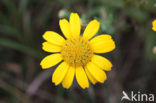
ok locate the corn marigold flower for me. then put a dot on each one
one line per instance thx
(154, 25)
(77, 54)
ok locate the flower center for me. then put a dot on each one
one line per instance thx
(77, 52)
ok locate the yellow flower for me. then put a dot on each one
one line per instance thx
(154, 25)
(77, 53)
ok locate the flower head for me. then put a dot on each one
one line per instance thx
(76, 53)
(154, 25)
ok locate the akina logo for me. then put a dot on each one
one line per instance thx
(137, 96)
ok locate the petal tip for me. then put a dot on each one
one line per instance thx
(96, 21)
(45, 33)
(61, 20)
(65, 87)
(53, 81)
(43, 67)
(85, 87)
(74, 13)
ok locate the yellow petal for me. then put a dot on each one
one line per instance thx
(59, 73)
(154, 28)
(91, 78)
(91, 29)
(154, 23)
(53, 38)
(102, 44)
(102, 62)
(96, 72)
(69, 77)
(49, 47)
(81, 78)
(51, 60)
(75, 24)
(65, 28)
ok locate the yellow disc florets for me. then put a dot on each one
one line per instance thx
(77, 52)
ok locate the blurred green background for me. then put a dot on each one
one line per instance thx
(23, 22)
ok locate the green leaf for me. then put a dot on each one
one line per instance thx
(19, 47)
(23, 5)
(10, 30)
(137, 14)
(10, 5)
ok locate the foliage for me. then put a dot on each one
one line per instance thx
(22, 23)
